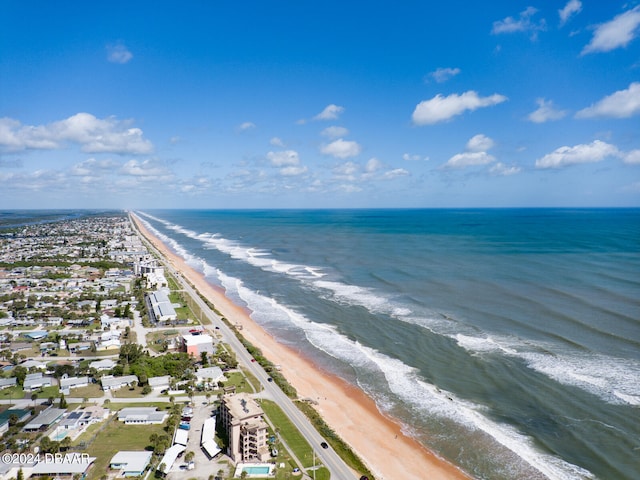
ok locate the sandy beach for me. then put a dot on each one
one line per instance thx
(377, 439)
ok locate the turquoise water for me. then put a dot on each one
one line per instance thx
(508, 341)
(257, 470)
(59, 436)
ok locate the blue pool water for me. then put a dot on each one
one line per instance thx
(257, 470)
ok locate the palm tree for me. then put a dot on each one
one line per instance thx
(189, 456)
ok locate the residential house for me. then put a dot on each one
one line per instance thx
(209, 376)
(45, 419)
(7, 382)
(103, 365)
(34, 381)
(130, 463)
(67, 383)
(160, 383)
(142, 415)
(109, 382)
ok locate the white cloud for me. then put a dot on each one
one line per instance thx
(346, 171)
(441, 75)
(479, 143)
(583, 153)
(545, 112)
(501, 169)
(341, 148)
(632, 157)
(276, 142)
(475, 155)
(440, 108)
(621, 104)
(522, 24)
(146, 168)
(395, 173)
(118, 53)
(373, 165)
(93, 134)
(615, 33)
(335, 132)
(469, 159)
(571, 8)
(413, 158)
(94, 167)
(284, 158)
(293, 171)
(246, 126)
(330, 112)
(14, 136)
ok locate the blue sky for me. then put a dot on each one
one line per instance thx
(246, 104)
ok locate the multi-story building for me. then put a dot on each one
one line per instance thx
(243, 421)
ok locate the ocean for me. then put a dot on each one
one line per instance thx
(505, 340)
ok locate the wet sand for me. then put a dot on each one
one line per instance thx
(377, 439)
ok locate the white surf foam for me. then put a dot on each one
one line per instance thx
(403, 381)
(612, 379)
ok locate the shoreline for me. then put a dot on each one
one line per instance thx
(347, 410)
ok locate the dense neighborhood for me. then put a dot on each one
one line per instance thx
(106, 373)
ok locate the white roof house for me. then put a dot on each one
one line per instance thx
(212, 374)
(131, 463)
(33, 381)
(73, 382)
(109, 382)
(70, 464)
(46, 418)
(7, 382)
(142, 415)
(160, 382)
(102, 365)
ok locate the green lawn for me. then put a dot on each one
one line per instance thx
(128, 392)
(117, 436)
(242, 383)
(92, 390)
(288, 432)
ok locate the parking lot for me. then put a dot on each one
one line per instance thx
(203, 466)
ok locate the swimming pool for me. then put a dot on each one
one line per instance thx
(255, 470)
(59, 435)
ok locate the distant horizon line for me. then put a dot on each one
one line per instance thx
(266, 209)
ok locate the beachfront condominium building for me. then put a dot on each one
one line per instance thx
(243, 421)
(160, 307)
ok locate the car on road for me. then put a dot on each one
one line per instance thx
(324, 445)
(269, 379)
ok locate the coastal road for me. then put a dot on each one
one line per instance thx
(338, 468)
